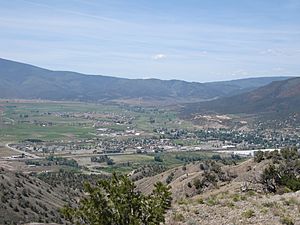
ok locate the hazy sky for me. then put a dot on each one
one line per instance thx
(195, 40)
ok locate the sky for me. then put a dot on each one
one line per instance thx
(193, 40)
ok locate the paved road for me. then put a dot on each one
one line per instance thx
(29, 155)
(33, 156)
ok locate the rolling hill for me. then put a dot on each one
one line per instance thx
(27, 199)
(19, 80)
(278, 96)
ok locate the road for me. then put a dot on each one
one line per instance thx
(33, 156)
(29, 155)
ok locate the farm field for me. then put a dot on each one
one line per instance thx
(107, 138)
(81, 129)
(69, 120)
(127, 163)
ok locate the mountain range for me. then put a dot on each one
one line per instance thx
(278, 96)
(19, 80)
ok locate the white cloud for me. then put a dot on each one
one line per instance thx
(159, 56)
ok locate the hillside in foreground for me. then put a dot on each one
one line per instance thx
(223, 190)
(214, 193)
(27, 199)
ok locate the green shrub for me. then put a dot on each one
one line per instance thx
(248, 213)
(287, 220)
(170, 178)
(200, 201)
(178, 217)
(212, 201)
(258, 156)
(115, 201)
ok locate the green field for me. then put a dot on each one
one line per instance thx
(127, 163)
(45, 120)
(73, 121)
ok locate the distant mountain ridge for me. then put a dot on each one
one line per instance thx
(19, 80)
(278, 96)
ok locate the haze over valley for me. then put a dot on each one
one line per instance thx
(149, 112)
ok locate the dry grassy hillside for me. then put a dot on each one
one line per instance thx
(27, 199)
(219, 191)
(182, 178)
(236, 207)
(234, 196)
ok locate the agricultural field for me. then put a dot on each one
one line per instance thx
(82, 129)
(106, 138)
(127, 163)
(70, 120)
